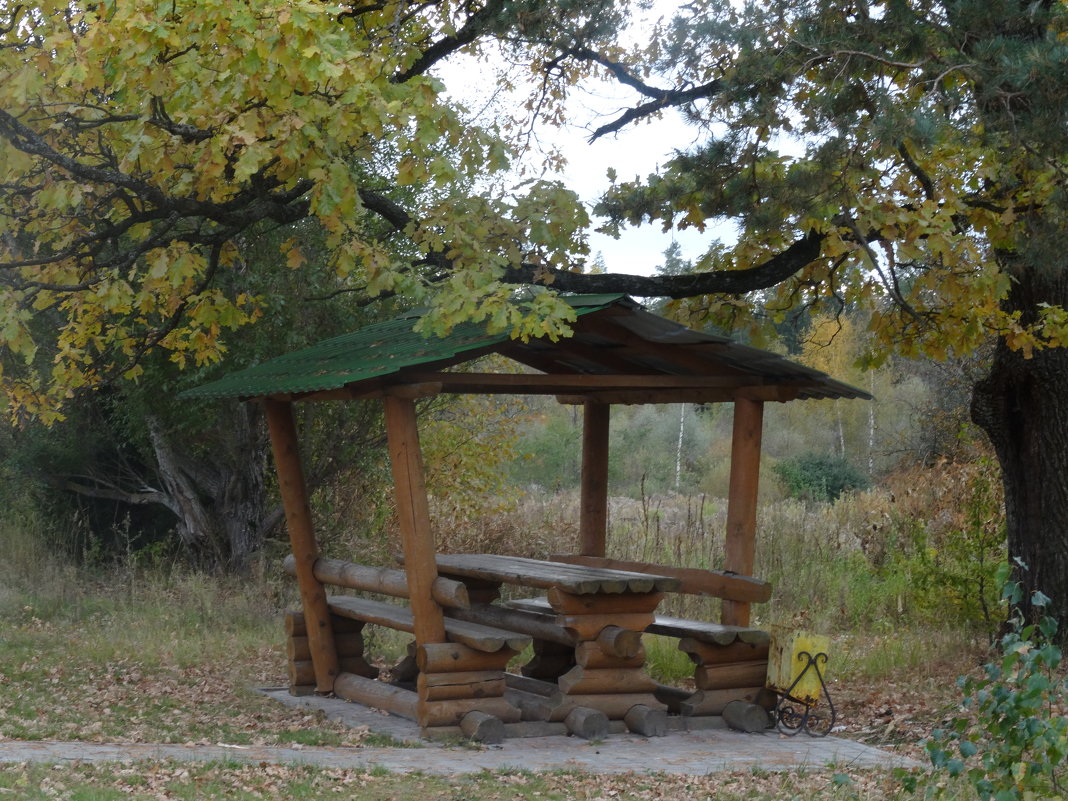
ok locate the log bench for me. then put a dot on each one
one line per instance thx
(486, 639)
(730, 662)
(457, 684)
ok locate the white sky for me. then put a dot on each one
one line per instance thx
(636, 151)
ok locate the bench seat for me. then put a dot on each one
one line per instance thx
(713, 633)
(474, 635)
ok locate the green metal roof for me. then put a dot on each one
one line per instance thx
(377, 350)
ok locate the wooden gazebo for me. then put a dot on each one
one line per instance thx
(618, 354)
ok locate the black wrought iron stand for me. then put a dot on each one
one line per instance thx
(793, 715)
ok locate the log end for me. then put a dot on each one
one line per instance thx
(589, 724)
(746, 717)
(482, 727)
(646, 721)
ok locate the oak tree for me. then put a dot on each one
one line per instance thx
(139, 139)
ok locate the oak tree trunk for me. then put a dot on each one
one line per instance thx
(1023, 406)
(220, 502)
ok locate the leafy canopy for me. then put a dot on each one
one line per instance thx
(915, 150)
(141, 140)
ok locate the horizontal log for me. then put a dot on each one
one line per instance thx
(556, 383)
(347, 644)
(450, 713)
(302, 672)
(703, 653)
(694, 581)
(587, 723)
(571, 604)
(377, 695)
(449, 657)
(609, 680)
(614, 706)
(715, 633)
(543, 575)
(467, 684)
(646, 721)
(446, 592)
(747, 717)
(481, 638)
(483, 728)
(524, 728)
(644, 397)
(541, 627)
(726, 677)
(713, 702)
(589, 627)
(592, 655)
(621, 642)
(295, 626)
(532, 707)
(544, 689)
(700, 723)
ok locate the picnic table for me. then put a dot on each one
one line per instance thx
(587, 643)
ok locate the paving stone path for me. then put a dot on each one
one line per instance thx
(691, 753)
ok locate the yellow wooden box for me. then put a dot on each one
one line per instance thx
(787, 661)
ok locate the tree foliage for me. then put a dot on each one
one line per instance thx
(819, 476)
(917, 145)
(140, 139)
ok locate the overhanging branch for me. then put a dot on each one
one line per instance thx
(728, 282)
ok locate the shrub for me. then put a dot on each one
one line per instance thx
(819, 477)
(1017, 746)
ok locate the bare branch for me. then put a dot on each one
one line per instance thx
(672, 98)
(917, 171)
(619, 71)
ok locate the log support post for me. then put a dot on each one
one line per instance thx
(417, 539)
(742, 500)
(302, 540)
(593, 523)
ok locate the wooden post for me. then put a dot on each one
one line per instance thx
(417, 539)
(593, 521)
(302, 540)
(742, 500)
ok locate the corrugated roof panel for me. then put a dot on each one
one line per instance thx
(625, 340)
(372, 352)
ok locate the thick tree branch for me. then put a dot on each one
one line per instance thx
(245, 208)
(730, 282)
(95, 487)
(673, 98)
(474, 27)
(619, 71)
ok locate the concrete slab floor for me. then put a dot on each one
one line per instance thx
(690, 753)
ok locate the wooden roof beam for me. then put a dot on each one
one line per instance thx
(610, 357)
(680, 355)
(774, 394)
(556, 384)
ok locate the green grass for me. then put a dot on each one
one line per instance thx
(193, 782)
(664, 661)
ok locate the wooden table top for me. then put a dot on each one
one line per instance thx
(577, 579)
